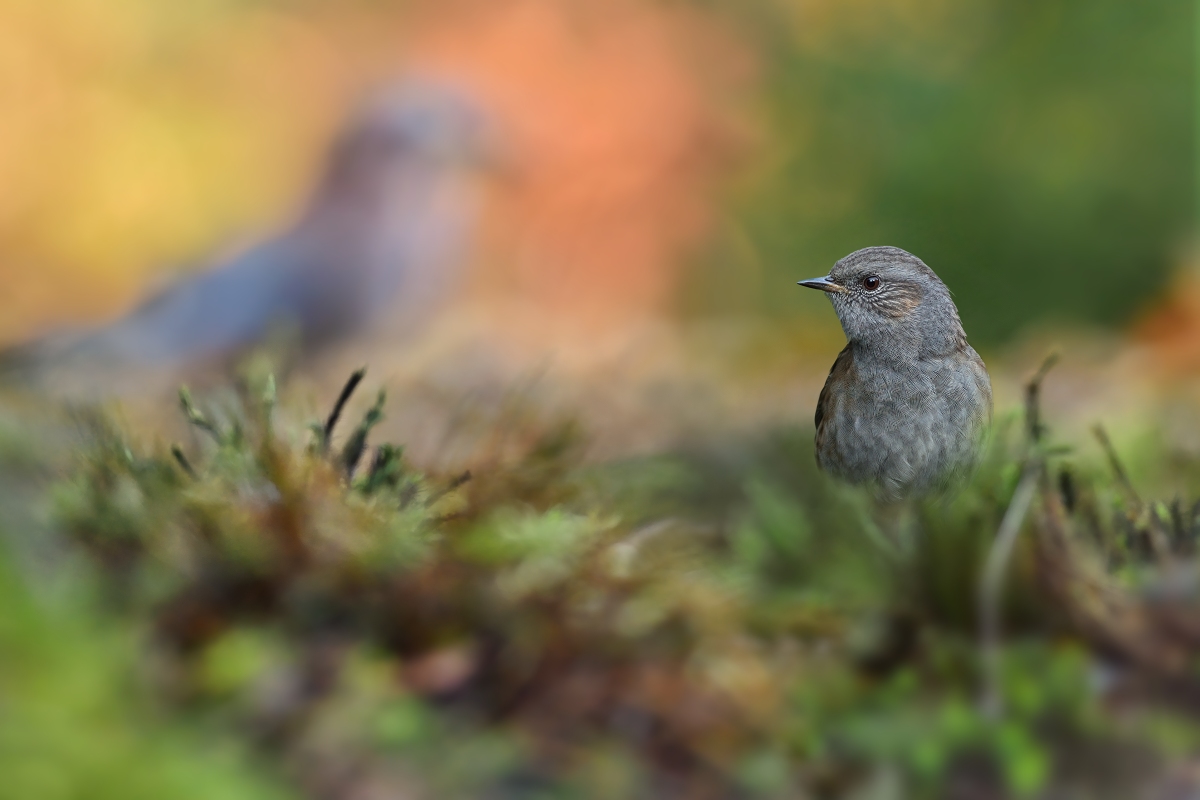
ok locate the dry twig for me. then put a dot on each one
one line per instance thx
(991, 583)
(339, 406)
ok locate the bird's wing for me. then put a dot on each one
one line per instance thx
(841, 365)
(982, 381)
(205, 315)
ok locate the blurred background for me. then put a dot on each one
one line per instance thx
(517, 212)
(680, 159)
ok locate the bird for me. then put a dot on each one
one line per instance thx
(383, 233)
(908, 401)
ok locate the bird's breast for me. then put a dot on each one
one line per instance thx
(902, 426)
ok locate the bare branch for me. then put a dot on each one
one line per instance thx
(991, 586)
(1114, 461)
(336, 414)
(991, 582)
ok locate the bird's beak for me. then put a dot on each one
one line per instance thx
(824, 284)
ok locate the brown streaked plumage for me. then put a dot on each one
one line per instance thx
(907, 401)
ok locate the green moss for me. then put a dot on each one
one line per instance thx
(76, 719)
(730, 619)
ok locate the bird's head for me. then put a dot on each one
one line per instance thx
(420, 125)
(887, 297)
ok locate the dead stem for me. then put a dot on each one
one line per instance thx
(182, 461)
(1114, 461)
(336, 414)
(991, 582)
(991, 587)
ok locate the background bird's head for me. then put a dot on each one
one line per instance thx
(421, 128)
(884, 295)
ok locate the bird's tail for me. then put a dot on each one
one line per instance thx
(26, 363)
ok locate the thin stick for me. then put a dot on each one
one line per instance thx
(357, 443)
(196, 418)
(1114, 461)
(183, 462)
(991, 582)
(1033, 392)
(991, 586)
(339, 406)
(455, 482)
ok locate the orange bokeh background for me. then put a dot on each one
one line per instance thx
(140, 141)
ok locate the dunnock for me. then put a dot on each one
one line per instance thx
(907, 402)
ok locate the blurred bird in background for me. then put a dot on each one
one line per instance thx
(381, 242)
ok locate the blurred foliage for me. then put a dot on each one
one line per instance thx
(74, 720)
(1036, 154)
(716, 622)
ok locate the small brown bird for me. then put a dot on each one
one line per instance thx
(905, 407)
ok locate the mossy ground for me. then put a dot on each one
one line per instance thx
(271, 608)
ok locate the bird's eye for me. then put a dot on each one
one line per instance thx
(871, 283)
